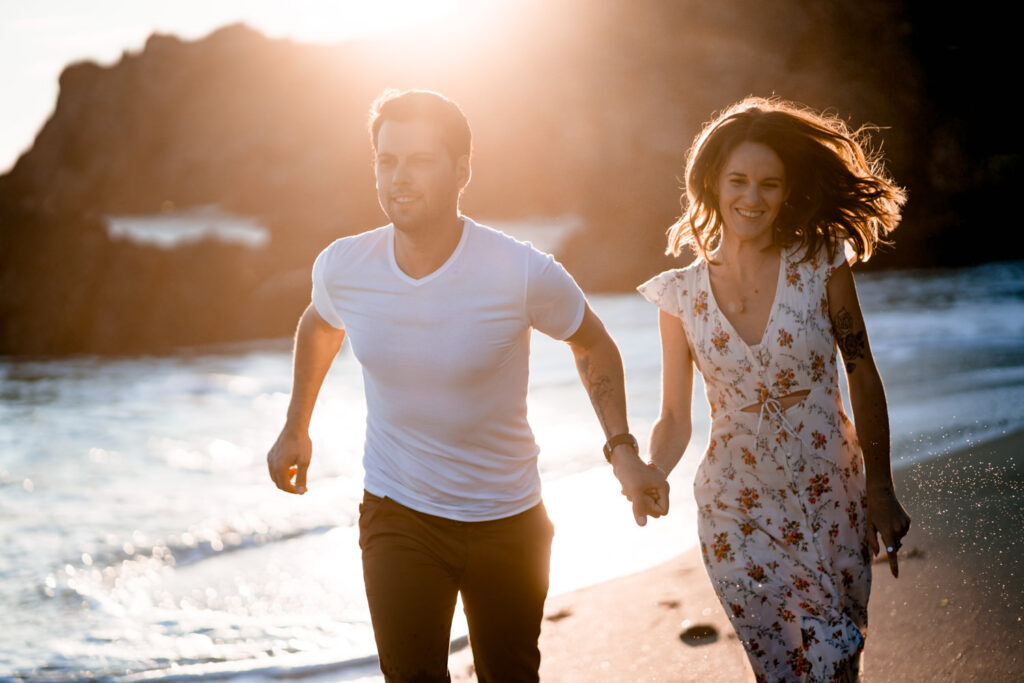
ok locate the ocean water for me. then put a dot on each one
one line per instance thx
(174, 228)
(143, 540)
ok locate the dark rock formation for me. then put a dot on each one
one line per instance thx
(577, 106)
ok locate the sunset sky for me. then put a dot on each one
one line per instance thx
(37, 39)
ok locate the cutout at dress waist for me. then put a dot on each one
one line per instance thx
(782, 402)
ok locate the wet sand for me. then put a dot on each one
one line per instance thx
(955, 614)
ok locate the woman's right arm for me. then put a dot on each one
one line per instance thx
(671, 433)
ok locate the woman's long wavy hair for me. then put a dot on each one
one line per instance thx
(838, 187)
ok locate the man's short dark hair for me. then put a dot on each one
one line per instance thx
(407, 105)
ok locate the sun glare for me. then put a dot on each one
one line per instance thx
(332, 21)
(37, 39)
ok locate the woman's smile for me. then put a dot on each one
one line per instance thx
(751, 191)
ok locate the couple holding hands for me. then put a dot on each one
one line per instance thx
(792, 495)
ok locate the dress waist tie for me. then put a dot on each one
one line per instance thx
(772, 408)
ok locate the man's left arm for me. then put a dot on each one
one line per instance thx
(600, 367)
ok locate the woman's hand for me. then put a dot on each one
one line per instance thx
(886, 519)
(645, 487)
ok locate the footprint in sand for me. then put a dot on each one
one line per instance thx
(699, 634)
(559, 615)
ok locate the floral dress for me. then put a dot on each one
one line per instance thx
(780, 492)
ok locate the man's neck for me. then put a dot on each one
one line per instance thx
(419, 253)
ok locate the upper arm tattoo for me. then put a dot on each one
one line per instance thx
(851, 340)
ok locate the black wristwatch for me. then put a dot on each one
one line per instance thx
(618, 440)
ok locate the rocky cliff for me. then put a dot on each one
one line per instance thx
(578, 106)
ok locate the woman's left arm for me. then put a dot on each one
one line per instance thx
(885, 516)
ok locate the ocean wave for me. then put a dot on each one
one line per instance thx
(196, 545)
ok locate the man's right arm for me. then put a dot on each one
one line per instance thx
(316, 344)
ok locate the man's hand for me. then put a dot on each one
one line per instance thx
(316, 344)
(289, 458)
(643, 486)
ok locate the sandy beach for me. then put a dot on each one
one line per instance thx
(955, 614)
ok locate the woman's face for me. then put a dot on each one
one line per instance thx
(751, 190)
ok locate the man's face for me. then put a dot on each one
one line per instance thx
(418, 183)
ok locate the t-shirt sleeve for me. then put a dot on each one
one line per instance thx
(554, 302)
(662, 290)
(321, 292)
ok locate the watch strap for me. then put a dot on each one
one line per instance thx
(618, 440)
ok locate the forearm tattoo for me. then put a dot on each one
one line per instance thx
(851, 341)
(600, 388)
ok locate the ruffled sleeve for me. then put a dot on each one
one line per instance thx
(666, 291)
(844, 254)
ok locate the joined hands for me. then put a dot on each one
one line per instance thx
(643, 485)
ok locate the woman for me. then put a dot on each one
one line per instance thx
(791, 496)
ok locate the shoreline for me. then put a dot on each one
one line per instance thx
(956, 613)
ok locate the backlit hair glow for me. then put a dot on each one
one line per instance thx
(838, 187)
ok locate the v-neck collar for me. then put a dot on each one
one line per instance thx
(771, 313)
(467, 226)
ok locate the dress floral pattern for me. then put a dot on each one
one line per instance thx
(780, 493)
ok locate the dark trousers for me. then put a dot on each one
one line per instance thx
(415, 565)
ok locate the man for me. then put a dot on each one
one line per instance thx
(439, 311)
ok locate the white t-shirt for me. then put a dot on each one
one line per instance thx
(445, 363)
